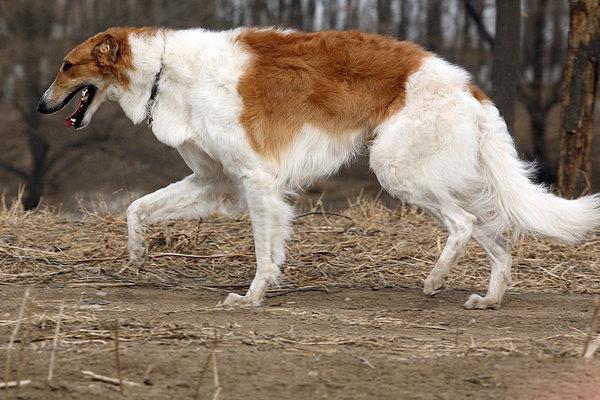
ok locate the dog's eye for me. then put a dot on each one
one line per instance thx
(66, 66)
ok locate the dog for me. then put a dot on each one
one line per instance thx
(258, 114)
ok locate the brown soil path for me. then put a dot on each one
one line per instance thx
(348, 344)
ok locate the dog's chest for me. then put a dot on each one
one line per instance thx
(199, 161)
(170, 121)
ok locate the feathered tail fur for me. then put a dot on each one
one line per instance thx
(513, 202)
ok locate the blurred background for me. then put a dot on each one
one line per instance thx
(116, 161)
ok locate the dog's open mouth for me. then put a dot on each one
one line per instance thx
(87, 96)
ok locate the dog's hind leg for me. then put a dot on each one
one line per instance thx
(459, 225)
(428, 157)
(498, 249)
(189, 198)
(428, 161)
(270, 217)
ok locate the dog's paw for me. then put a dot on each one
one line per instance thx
(236, 300)
(432, 286)
(138, 255)
(481, 303)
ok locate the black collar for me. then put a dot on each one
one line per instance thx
(155, 84)
(152, 100)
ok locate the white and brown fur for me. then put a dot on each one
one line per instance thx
(259, 113)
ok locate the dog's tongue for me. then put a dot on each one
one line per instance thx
(69, 121)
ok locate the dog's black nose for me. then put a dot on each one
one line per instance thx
(41, 106)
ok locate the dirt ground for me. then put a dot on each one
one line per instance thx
(345, 344)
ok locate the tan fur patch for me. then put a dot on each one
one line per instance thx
(87, 63)
(478, 93)
(338, 81)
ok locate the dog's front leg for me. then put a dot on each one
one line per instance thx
(138, 251)
(191, 197)
(270, 217)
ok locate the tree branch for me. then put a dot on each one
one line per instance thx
(13, 170)
(472, 12)
(525, 92)
(554, 97)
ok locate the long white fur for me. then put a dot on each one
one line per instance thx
(444, 151)
(518, 204)
(305, 161)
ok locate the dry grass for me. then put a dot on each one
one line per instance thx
(366, 245)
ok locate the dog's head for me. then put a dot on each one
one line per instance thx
(97, 68)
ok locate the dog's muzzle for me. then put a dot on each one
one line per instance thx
(42, 106)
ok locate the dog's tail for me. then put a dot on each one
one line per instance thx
(511, 201)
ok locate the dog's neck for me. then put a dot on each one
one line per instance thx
(196, 64)
(148, 55)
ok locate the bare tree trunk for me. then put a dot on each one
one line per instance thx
(404, 20)
(296, 14)
(368, 19)
(259, 12)
(505, 64)
(466, 38)
(308, 9)
(541, 93)
(578, 93)
(341, 14)
(385, 16)
(434, 25)
(352, 20)
(36, 179)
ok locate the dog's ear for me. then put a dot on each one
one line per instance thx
(107, 51)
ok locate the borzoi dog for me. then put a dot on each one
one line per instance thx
(259, 113)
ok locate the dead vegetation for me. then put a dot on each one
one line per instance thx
(366, 245)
